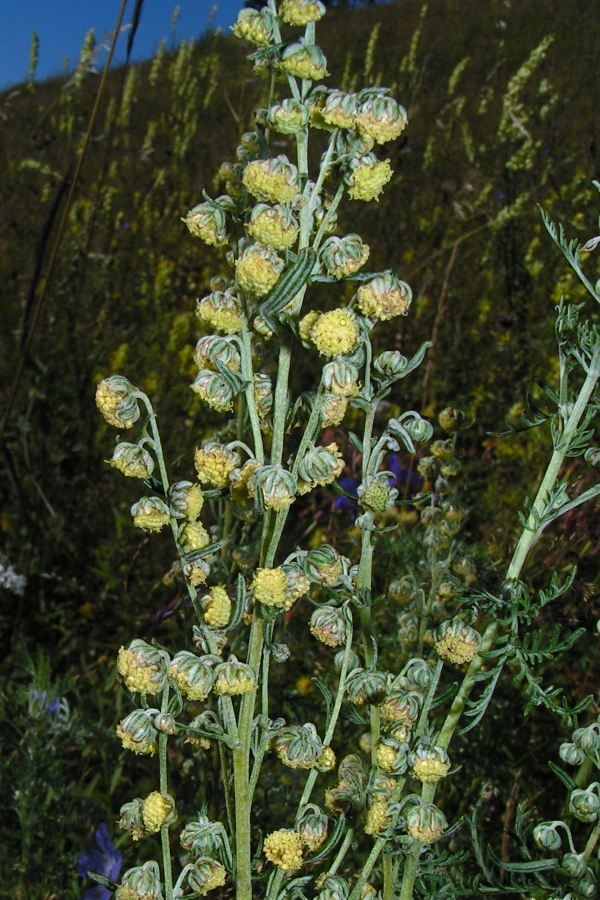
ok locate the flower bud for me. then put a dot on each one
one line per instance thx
(214, 390)
(408, 628)
(418, 429)
(403, 590)
(571, 754)
(284, 849)
(381, 787)
(206, 874)
(142, 668)
(273, 226)
(340, 377)
(584, 805)
(326, 761)
(334, 888)
(383, 298)
(233, 677)
(203, 837)
(465, 567)
(378, 817)
(273, 180)
(278, 486)
(137, 732)
(335, 332)
(587, 887)
(401, 706)
(329, 625)
(324, 565)
(428, 467)
(221, 310)
(380, 118)
(301, 12)
(325, 218)
(390, 364)
(376, 493)
(116, 401)
(132, 460)
(192, 674)
(196, 571)
(366, 178)
(392, 756)
(298, 746)
(336, 108)
(303, 60)
(214, 463)
(158, 810)
(258, 269)
(587, 739)
(255, 26)
(574, 864)
(217, 607)
(456, 642)
(269, 587)
(333, 408)
(193, 536)
(141, 883)
(547, 837)
(429, 763)
(450, 419)
(165, 723)
(425, 823)
(208, 221)
(288, 116)
(296, 582)
(319, 466)
(312, 828)
(212, 349)
(131, 818)
(366, 686)
(186, 500)
(343, 256)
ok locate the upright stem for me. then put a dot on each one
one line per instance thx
(164, 789)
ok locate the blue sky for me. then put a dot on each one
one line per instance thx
(61, 26)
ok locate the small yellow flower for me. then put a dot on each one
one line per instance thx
(386, 757)
(187, 499)
(150, 514)
(252, 26)
(306, 323)
(234, 678)
(269, 587)
(384, 297)
(430, 770)
(206, 875)
(333, 409)
(284, 849)
(217, 607)
(272, 180)
(301, 12)
(241, 483)
(141, 747)
(116, 402)
(304, 61)
(156, 810)
(367, 180)
(142, 668)
(258, 270)
(456, 642)
(377, 817)
(194, 536)
(214, 464)
(272, 227)
(335, 332)
(326, 761)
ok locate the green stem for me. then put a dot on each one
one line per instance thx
(164, 789)
(247, 375)
(410, 871)
(422, 723)
(388, 878)
(592, 841)
(341, 852)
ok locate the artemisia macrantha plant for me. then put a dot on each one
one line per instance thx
(371, 819)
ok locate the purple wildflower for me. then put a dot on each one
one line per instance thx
(106, 862)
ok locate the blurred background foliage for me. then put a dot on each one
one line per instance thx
(501, 103)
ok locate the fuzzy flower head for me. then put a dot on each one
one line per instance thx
(284, 849)
(269, 587)
(137, 732)
(324, 565)
(142, 668)
(214, 463)
(426, 823)
(132, 460)
(376, 493)
(116, 401)
(214, 390)
(378, 817)
(193, 675)
(329, 625)
(429, 763)
(273, 226)
(263, 394)
(158, 810)
(344, 256)
(258, 270)
(334, 409)
(312, 828)
(340, 377)
(367, 176)
(301, 12)
(233, 677)
(402, 706)
(299, 746)
(288, 116)
(217, 607)
(131, 820)
(335, 332)
(221, 310)
(456, 642)
(141, 883)
(242, 490)
(304, 60)
(391, 756)
(338, 109)
(150, 514)
(297, 584)
(380, 118)
(206, 875)
(384, 297)
(208, 221)
(193, 536)
(196, 571)
(277, 485)
(255, 26)
(186, 500)
(272, 180)
(213, 349)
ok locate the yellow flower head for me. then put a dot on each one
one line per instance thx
(273, 226)
(456, 642)
(194, 536)
(387, 756)
(284, 849)
(384, 297)
(116, 402)
(378, 817)
(252, 26)
(221, 310)
(206, 875)
(272, 180)
(367, 179)
(214, 463)
(304, 61)
(344, 256)
(381, 118)
(326, 761)
(233, 677)
(142, 668)
(335, 332)
(334, 409)
(214, 390)
(217, 607)
(186, 499)
(137, 732)
(242, 491)
(157, 810)
(258, 270)
(301, 12)
(429, 764)
(306, 323)
(339, 109)
(150, 514)
(269, 587)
